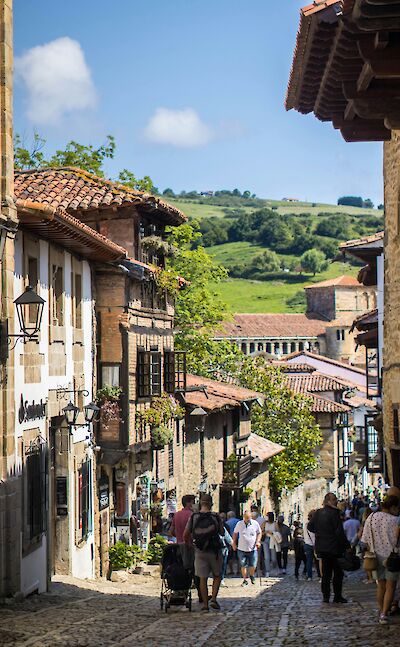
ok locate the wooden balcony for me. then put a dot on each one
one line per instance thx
(236, 472)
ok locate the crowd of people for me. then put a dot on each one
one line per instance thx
(338, 533)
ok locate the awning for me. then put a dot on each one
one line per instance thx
(262, 447)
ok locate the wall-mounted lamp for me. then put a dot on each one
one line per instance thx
(199, 415)
(29, 306)
(71, 413)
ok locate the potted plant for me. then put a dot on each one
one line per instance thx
(123, 557)
(161, 436)
(108, 398)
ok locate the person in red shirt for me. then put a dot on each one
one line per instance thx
(181, 518)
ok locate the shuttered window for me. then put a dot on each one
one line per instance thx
(149, 373)
(174, 371)
(35, 467)
(84, 500)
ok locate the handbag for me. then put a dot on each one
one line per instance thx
(349, 562)
(277, 537)
(370, 559)
(393, 562)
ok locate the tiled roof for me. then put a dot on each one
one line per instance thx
(366, 320)
(315, 383)
(262, 447)
(324, 405)
(344, 280)
(342, 321)
(272, 325)
(322, 358)
(61, 227)
(357, 401)
(76, 190)
(217, 395)
(360, 242)
(290, 367)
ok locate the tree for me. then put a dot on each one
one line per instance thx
(284, 418)
(88, 158)
(28, 159)
(381, 206)
(351, 201)
(169, 192)
(368, 204)
(127, 178)
(313, 261)
(268, 261)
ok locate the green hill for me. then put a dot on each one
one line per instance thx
(237, 236)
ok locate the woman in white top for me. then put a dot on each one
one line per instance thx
(270, 545)
(381, 535)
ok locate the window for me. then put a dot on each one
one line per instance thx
(260, 347)
(252, 347)
(293, 347)
(35, 492)
(171, 458)
(374, 456)
(110, 375)
(84, 500)
(149, 373)
(244, 348)
(301, 346)
(32, 281)
(77, 301)
(269, 348)
(174, 371)
(338, 335)
(285, 348)
(396, 429)
(178, 431)
(151, 298)
(225, 441)
(202, 457)
(57, 296)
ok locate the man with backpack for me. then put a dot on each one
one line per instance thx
(204, 529)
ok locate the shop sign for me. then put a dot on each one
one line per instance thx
(61, 496)
(31, 411)
(104, 493)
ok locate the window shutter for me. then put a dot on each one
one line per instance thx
(180, 370)
(155, 373)
(169, 371)
(143, 374)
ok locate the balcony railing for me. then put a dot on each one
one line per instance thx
(236, 471)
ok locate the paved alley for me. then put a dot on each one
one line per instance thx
(282, 612)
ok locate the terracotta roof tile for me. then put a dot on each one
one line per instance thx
(360, 242)
(344, 280)
(324, 405)
(322, 358)
(272, 325)
(217, 395)
(366, 320)
(315, 383)
(74, 189)
(262, 447)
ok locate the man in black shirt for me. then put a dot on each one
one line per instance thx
(330, 544)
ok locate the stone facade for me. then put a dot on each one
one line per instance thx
(391, 349)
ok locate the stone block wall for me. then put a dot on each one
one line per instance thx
(391, 350)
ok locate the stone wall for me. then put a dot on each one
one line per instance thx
(10, 535)
(296, 505)
(391, 350)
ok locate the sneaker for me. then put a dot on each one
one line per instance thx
(340, 600)
(252, 579)
(215, 605)
(245, 583)
(383, 620)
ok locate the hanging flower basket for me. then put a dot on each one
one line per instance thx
(161, 436)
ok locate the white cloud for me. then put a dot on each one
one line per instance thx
(181, 128)
(57, 79)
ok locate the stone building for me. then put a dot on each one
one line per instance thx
(357, 94)
(332, 306)
(213, 449)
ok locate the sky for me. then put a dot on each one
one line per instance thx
(192, 90)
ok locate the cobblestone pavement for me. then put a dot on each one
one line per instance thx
(279, 613)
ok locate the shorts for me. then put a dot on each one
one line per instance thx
(207, 563)
(248, 559)
(382, 573)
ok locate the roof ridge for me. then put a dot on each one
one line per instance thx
(324, 359)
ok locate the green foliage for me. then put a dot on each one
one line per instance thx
(154, 553)
(338, 228)
(25, 158)
(298, 299)
(313, 261)
(268, 261)
(127, 178)
(284, 418)
(351, 201)
(163, 409)
(88, 158)
(108, 392)
(123, 556)
(161, 436)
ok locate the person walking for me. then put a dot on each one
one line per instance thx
(231, 523)
(247, 540)
(309, 548)
(204, 529)
(282, 555)
(271, 543)
(381, 535)
(179, 522)
(298, 547)
(330, 544)
(226, 543)
(351, 527)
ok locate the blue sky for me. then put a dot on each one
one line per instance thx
(193, 91)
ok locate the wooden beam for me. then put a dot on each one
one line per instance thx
(378, 89)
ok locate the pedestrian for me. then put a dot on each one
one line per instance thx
(282, 555)
(231, 521)
(179, 522)
(298, 547)
(309, 550)
(351, 527)
(226, 543)
(330, 544)
(271, 543)
(363, 547)
(381, 535)
(255, 514)
(204, 529)
(247, 540)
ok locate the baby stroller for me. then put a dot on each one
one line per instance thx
(176, 580)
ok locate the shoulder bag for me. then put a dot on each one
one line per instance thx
(392, 563)
(370, 559)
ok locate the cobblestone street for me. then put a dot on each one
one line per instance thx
(282, 612)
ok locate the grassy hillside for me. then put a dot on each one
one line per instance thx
(245, 295)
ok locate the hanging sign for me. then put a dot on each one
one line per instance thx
(31, 411)
(104, 493)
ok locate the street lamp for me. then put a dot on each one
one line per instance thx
(29, 303)
(91, 411)
(200, 415)
(71, 413)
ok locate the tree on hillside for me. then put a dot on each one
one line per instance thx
(368, 204)
(268, 261)
(86, 157)
(168, 193)
(314, 261)
(351, 201)
(334, 227)
(284, 418)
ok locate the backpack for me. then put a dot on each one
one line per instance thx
(205, 532)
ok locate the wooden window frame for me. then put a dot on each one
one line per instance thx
(174, 371)
(149, 376)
